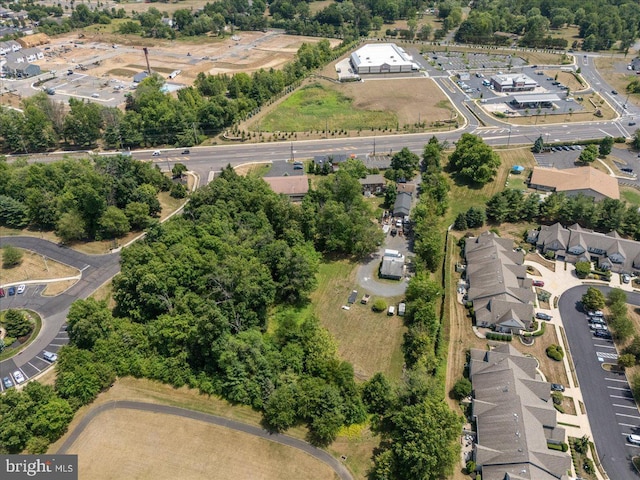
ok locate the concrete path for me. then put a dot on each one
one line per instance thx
(317, 453)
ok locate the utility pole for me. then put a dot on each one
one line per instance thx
(509, 138)
(292, 156)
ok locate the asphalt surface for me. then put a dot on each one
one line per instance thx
(95, 270)
(317, 453)
(612, 411)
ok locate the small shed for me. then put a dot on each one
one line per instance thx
(138, 77)
(517, 169)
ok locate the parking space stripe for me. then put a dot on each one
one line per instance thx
(632, 445)
(629, 416)
(57, 344)
(604, 346)
(625, 406)
(619, 388)
(627, 425)
(615, 380)
(29, 363)
(620, 396)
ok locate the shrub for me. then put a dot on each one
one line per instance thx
(555, 352)
(583, 269)
(502, 337)
(379, 305)
(461, 389)
(540, 332)
(11, 256)
(470, 467)
(557, 398)
(550, 254)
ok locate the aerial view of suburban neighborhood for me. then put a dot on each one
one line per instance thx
(319, 240)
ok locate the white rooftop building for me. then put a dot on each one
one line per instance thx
(382, 58)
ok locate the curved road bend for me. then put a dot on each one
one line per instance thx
(611, 409)
(317, 453)
(95, 270)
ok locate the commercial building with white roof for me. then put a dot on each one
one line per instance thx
(382, 58)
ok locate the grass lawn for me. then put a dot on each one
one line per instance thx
(630, 195)
(35, 320)
(316, 106)
(138, 444)
(36, 267)
(614, 77)
(370, 341)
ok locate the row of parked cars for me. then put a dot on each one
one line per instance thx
(20, 289)
(18, 376)
(598, 325)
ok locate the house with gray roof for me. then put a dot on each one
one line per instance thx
(402, 207)
(515, 418)
(499, 289)
(609, 251)
(392, 266)
(372, 184)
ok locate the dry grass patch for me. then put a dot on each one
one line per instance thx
(35, 267)
(136, 444)
(256, 168)
(370, 341)
(530, 57)
(565, 78)
(615, 76)
(56, 288)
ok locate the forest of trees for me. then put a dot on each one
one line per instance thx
(100, 198)
(601, 24)
(153, 117)
(604, 216)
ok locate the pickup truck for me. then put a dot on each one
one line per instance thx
(365, 299)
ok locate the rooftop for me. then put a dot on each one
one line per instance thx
(536, 97)
(379, 53)
(579, 178)
(289, 185)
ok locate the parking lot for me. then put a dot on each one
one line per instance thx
(559, 157)
(108, 92)
(463, 61)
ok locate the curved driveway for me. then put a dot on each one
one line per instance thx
(95, 270)
(611, 409)
(317, 453)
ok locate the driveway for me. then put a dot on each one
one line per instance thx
(340, 470)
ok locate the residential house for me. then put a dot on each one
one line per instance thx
(498, 286)
(294, 186)
(330, 163)
(31, 54)
(409, 188)
(609, 251)
(21, 69)
(392, 266)
(402, 207)
(573, 181)
(15, 57)
(515, 418)
(372, 184)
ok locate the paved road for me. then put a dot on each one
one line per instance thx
(317, 453)
(612, 411)
(95, 270)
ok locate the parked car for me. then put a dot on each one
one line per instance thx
(391, 311)
(21, 289)
(2, 293)
(596, 313)
(598, 326)
(7, 382)
(186, 151)
(18, 377)
(598, 320)
(49, 356)
(12, 291)
(543, 316)
(556, 387)
(538, 283)
(626, 170)
(631, 124)
(394, 232)
(626, 278)
(602, 334)
(634, 439)
(614, 92)
(402, 307)
(365, 299)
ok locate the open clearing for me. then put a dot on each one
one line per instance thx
(614, 72)
(167, 447)
(36, 267)
(357, 106)
(370, 341)
(250, 51)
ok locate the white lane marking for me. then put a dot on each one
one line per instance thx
(628, 416)
(625, 406)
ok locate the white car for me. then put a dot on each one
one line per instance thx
(156, 153)
(635, 439)
(49, 356)
(21, 288)
(18, 377)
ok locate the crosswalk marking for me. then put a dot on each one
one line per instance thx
(612, 356)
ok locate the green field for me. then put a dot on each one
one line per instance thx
(630, 195)
(315, 107)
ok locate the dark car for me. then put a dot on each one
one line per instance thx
(12, 291)
(543, 316)
(556, 387)
(394, 232)
(614, 92)
(538, 283)
(627, 170)
(602, 334)
(186, 152)
(631, 124)
(7, 382)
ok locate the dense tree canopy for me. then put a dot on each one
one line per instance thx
(474, 160)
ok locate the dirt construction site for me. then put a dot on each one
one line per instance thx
(122, 56)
